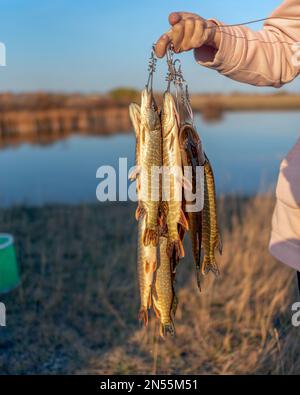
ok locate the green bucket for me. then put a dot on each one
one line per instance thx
(9, 273)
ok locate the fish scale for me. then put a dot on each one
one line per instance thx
(163, 292)
(146, 268)
(172, 161)
(210, 230)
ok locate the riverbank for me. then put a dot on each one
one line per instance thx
(75, 311)
(45, 117)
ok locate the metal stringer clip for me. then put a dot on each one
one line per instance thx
(170, 64)
(151, 69)
(182, 89)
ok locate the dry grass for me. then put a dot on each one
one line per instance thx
(75, 311)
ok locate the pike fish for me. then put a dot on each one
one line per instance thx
(163, 296)
(147, 254)
(146, 268)
(193, 157)
(149, 154)
(172, 206)
(210, 231)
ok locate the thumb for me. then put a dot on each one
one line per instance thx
(176, 17)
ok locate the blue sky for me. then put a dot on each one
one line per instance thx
(96, 45)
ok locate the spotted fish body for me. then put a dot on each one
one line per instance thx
(192, 156)
(173, 184)
(150, 157)
(210, 231)
(146, 255)
(164, 301)
(146, 267)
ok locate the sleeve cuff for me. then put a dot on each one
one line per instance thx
(208, 56)
(285, 251)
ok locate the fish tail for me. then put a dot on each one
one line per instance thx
(210, 265)
(151, 236)
(175, 249)
(167, 329)
(143, 316)
(174, 305)
(198, 277)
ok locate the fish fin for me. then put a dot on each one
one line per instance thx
(181, 232)
(198, 277)
(174, 305)
(163, 212)
(183, 221)
(210, 265)
(164, 209)
(175, 248)
(135, 116)
(156, 311)
(154, 266)
(151, 236)
(220, 244)
(203, 261)
(139, 212)
(147, 267)
(149, 303)
(171, 145)
(143, 316)
(198, 267)
(134, 172)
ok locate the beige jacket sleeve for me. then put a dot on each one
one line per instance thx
(270, 57)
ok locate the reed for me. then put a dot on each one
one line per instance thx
(76, 309)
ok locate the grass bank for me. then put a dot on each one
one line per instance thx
(76, 309)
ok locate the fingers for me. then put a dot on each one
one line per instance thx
(187, 32)
(177, 35)
(176, 17)
(162, 45)
(189, 29)
(199, 34)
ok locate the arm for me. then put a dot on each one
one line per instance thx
(264, 58)
(260, 58)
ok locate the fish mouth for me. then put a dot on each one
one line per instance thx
(148, 101)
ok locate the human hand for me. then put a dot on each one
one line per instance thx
(189, 31)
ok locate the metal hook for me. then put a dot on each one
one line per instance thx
(171, 71)
(151, 68)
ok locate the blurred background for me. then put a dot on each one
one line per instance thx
(72, 69)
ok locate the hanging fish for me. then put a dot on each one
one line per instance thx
(150, 157)
(163, 296)
(147, 263)
(172, 185)
(193, 158)
(210, 231)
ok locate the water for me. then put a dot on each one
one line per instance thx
(244, 148)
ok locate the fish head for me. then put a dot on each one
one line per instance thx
(170, 115)
(149, 114)
(135, 116)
